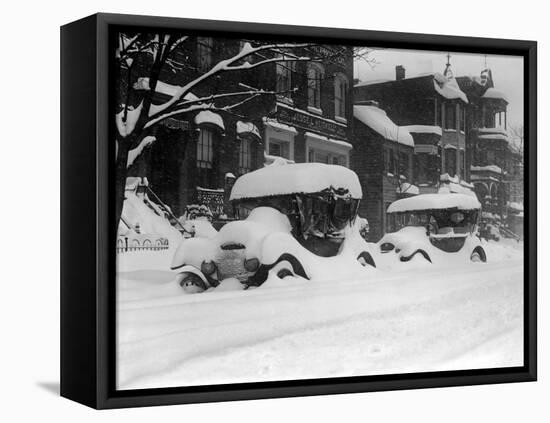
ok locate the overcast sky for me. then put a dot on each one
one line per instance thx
(507, 71)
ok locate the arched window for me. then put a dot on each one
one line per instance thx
(340, 95)
(205, 45)
(205, 157)
(284, 78)
(245, 155)
(314, 76)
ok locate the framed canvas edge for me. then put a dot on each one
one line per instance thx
(107, 398)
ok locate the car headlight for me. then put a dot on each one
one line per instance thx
(386, 247)
(252, 264)
(208, 267)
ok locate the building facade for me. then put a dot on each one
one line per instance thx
(383, 158)
(496, 162)
(432, 108)
(197, 156)
(460, 141)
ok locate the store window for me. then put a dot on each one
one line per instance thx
(245, 156)
(279, 148)
(205, 46)
(314, 77)
(322, 156)
(340, 95)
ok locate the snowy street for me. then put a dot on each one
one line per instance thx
(388, 322)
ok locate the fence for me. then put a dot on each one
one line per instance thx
(125, 244)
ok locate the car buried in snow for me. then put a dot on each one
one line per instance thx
(437, 227)
(295, 220)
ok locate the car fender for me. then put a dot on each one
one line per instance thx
(189, 269)
(193, 251)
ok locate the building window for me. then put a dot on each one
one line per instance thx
(322, 156)
(279, 148)
(340, 95)
(450, 116)
(389, 160)
(491, 157)
(205, 45)
(461, 164)
(245, 156)
(404, 164)
(205, 157)
(314, 76)
(284, 78)
(450, 161)
(462, 117)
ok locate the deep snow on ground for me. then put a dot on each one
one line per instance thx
(403, 317)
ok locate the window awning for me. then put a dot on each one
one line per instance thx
(329, 141)
(278, 126)
(208, 117)
(247, 128)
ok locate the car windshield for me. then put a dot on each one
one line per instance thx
(322, 214)
(438, 222)
(325, 215)
(286, 204)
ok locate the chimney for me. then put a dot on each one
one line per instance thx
(399, 73)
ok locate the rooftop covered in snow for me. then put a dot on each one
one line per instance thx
(434, 202)
(495, 94)
(448, 88)
(299, 178)
(423, 129)
(377, 119)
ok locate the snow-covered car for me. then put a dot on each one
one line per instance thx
(297, 220)
(438, 227)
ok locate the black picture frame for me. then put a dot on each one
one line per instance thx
(87, 272)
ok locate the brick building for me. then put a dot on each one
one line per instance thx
(197, 157)
(383, 160)
(460, 142)
(312, 123)
(430, 111)
(496, 163)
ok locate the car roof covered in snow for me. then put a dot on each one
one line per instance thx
(434, 201)
(296, 178)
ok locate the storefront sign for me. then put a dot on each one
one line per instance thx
(310, 122)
